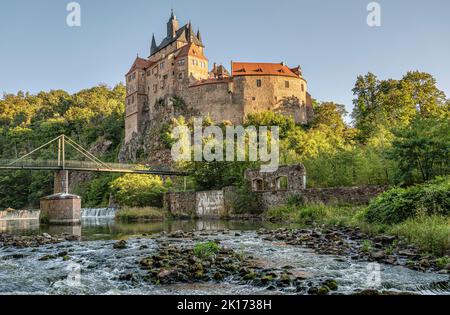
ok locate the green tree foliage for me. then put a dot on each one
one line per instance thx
(28, 121)
(395, 103)
(400, 204)
(269, 118)
(134, 190)
(422, 150)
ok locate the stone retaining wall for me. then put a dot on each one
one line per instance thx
(180, 204)
(20, 215)
(343, 195)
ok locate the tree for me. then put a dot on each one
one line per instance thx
(138, 190)
(395, 103)
(422, 150)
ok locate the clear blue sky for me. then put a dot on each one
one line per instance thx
(329, 38)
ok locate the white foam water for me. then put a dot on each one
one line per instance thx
(98, 212)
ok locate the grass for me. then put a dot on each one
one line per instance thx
(431, 233)
(143, 214)
(205, 250)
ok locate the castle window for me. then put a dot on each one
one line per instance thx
(180, 75)
(286, 84)
(258, 83)
(181, 62)
(161, 65)
(258, 184)
(254, 98)
(148, 73)
(303, 88)
(282, 183)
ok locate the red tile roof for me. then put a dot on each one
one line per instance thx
(140, 63)
(261, 68)
(191, 50)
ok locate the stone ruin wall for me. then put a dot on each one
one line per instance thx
(219, 203)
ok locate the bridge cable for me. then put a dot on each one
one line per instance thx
(35, 150)
(86, 153)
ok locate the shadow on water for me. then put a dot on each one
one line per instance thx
(106, 228)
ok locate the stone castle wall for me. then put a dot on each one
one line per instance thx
(214, 100)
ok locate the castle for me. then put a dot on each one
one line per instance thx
(177, 74)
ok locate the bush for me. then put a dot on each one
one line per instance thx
(138, 190)
(400, 204)
(205, 250)
(140, 214)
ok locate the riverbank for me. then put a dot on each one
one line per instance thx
(427, 235)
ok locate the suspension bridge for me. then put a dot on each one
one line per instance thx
(63, 207)
(93, 164)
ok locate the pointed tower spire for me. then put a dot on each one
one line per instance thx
(199, 36)
(190, 32)
(153, 48)
(172, 25)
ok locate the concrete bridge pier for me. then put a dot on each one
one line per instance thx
(61, 208)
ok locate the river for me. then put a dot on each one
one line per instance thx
(95, 266)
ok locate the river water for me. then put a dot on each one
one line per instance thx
(94, 266)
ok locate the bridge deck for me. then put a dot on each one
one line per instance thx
(82, 166)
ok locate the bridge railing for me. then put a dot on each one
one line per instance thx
(68, 164)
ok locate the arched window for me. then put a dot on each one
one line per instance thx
(258, 184)
(282, 183)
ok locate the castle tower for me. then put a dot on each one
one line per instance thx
(172, 26)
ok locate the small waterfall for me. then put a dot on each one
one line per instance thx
(98, 212)
(20, 215)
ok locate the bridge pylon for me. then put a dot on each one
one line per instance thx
(61, 208)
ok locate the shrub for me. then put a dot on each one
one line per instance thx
(295, 200)
(400, 204)
(442, 262)
(281, 213)
(205, 250)
(312, 213)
